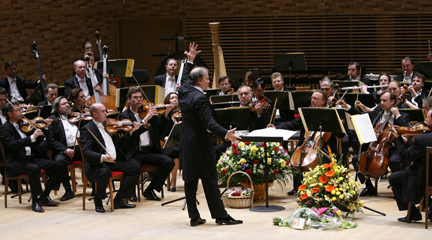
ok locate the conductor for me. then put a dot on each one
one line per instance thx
(197, 147)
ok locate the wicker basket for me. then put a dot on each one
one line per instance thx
(240, 201)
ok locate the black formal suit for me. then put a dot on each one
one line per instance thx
(165, 126)
(18, 163)
(197, 149)
(21, 84)
(101, 172)
(161, 80)
(419, 99)
(44, 103)
(148, 155)
(408, 185)
(72, 83)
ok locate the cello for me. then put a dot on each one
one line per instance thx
(374, 161)
(38, 94)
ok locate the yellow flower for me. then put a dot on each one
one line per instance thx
(336, 189)
(340, 178)
(241, 144)
(283, 164)
(242, 160)
(341, 196)
(338, 193)
(333, 192)
(334, 199)
(339, 212)
(254, 148)
(269, 161)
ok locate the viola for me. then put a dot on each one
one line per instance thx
(38, 122)
(416, 130)
(75, 117)
(176, 113)
(113, 126)
(146, 106)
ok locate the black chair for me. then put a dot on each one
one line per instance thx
(141, 76)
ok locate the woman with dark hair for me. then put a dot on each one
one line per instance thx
(166, 122)
(77, 97)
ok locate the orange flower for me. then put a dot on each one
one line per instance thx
(330, 188)
(304, 196)
(323, 179)
(301, 187)
(330, 173)
(316, 189)
(326, 165)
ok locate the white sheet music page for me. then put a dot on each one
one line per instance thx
(364, 129)
(272, 132)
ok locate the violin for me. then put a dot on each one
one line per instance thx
(412, 131)
(374, 161)
(176, 113)
(334, 99)
(160, 107)
(263, 101)
(75, 117)
(38, 122)
(113, 126)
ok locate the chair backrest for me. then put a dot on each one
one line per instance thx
(428, 153)
(141, 76)
(3, 155)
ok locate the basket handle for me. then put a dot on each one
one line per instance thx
(250, 179)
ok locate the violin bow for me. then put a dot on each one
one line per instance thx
(34, 126)
(79, 124)
(99, 142)
(145, 95)
(273, 117)
(358, 86)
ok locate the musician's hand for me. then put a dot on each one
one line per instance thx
(37, 133)
(342, 103)
(97, 88)
(136, 126)
(69, 152)
(359, 104)
(192, 52)
(105, 75)
(233, 138)
(394, 130)
(152, 112)
(48, 122)
(395, 112)
(259, 108)
(178, 87)
(429, 56)
(29, 107)
(108, 158)
(412, 91)
(355, 89)
(168, 108)
(270, 126)
(364, 88)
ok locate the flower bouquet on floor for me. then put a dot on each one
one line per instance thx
(249, 157)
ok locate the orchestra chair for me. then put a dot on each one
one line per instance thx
(18, 178)
(149, 168)
(73, 166)
(428, 191)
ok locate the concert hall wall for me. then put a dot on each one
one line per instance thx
(378, 33)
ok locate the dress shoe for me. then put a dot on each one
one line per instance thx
(123, 204)
(133, 198)
(36, 207)
(292, 192)
(415, 217)
(47, 201)
(172, 189)
(197, 221)
(228, 220)
(368, 192)
(99, 206)
(151, 195)
(67, 196)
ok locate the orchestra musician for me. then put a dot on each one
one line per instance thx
(144, 146)
(15, 85)
(383, 79)
(258, 88)
(249, 78)
(169, 79)
(407, 68)
(354, 72)
(62, 138)
(102, 155)
(416, 89)
(225, 86)
(278, 85)
(80, 80)
(3, 96)
(96, 72)
(377, 116)
(51, 93)
(408, 185)
(166, 122)
(77, 98)
(197, 150)
(21, 159)
(393, 87)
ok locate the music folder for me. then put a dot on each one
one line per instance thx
(174, 136)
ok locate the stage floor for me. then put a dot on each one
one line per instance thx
(150, 220)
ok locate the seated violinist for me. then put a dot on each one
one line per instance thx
(103, 154)
(377, 116)
(62, 138)
(318, 99)
(80, 80)
(416, 89)
(225, 86)
(249, 79)
(77, 98)
(21, 159)
(258, 88)
(408, 185)
(51, 93)
(144, 146)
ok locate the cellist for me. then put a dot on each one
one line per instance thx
(318, 99)
(378, 116)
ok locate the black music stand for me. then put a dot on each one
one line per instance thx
(299, 99)
(367, 99)
(118, 67)
(235, 117)
(267, 207)
(224, 98)
(174, 136)
(283, 102)
(295, 62)
(321, 119)
(415, 114)
(211, 91)
(225, 105)
(425, 68)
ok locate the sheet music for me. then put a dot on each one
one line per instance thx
(272, 132)
(364, 129)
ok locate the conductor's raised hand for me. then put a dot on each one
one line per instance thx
(192, 52)
(233, 138)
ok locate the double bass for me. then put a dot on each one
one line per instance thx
(38, 94)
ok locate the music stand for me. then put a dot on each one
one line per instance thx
(224, 98)
(211, 91)
(299, 99)
(295, 62)
(225, 105)
(367, 99)
(267, 207)
(118, 67)
(425, 68)
(234, 117)
(415, 114)
(321, 119)
(174, 136)
(283, 102)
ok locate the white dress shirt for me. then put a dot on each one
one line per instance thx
(83, 86)
(70, 131)
(145, 140)
(27, 148)
(109, 144)
(170, 84)
(14, 90)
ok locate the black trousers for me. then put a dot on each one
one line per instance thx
(397, 180)
(164, 163)
(103, 173)
(65, 161)
(209, 179)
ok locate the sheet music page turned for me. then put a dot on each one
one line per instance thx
(364, 129)
(272, 132)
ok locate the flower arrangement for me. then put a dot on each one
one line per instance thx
(250, 158)
(329, 185)
(239, 192)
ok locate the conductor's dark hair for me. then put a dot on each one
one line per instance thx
(10, 63)
(257, 83)
(197, 73)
